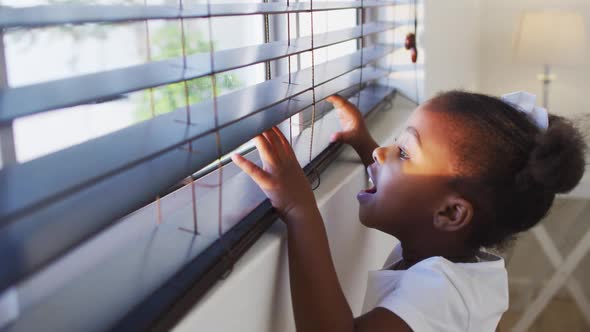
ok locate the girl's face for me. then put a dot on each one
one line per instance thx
(410, 177)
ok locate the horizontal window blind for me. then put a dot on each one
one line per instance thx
(73, 197)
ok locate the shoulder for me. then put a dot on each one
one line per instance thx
(438, 295)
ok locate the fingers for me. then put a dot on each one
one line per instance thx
(340, 102)
(280, 135)
(285, 143)
(266, 151)
(275, 143)
(336, 100)
(273, 148)
(281, 146)
(257, 174)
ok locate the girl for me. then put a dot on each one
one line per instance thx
(468, 172)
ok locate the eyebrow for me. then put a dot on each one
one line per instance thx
(414, 132)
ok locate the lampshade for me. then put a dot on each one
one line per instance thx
(551, 37)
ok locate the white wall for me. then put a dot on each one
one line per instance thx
(451, 42)
(500, 74)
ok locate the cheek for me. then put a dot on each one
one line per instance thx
(387, 205)
(401, 201)
(385, 213)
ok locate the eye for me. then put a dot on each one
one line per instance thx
(403, 155)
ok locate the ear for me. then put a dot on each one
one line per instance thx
(454, 214)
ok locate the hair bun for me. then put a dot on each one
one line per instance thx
(557, 160)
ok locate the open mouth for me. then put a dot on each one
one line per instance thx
(366, 195)
(372, 176)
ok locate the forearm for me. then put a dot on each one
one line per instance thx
(318, 301)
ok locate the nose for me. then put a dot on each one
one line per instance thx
(379, 155)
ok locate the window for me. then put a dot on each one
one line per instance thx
(57, 52)
(95, 205)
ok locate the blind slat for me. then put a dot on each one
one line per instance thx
(36, 98)
(48, 15)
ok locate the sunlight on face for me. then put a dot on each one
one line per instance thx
(411, 176)
(428, 140)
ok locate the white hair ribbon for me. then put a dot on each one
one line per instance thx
(525, 102)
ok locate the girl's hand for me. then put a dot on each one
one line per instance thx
(351, 121)
(354, 130)
(281, 178)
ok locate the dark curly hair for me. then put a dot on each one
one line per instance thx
(509, 169)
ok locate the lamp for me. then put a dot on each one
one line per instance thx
(550, 37)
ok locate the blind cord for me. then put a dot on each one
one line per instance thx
(391, 56)
(148, 46)
(149, 59)
(298, 35)
(195, 229)
(229, 257)
(289, 40)
(416, 50)
(186, 92)
(266, 40)
(289, 68)
(216, 117)
(313, 105)
(362, 44)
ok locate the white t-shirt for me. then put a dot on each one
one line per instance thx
(438, 295)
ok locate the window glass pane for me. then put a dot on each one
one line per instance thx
(45, 54)
(38, 55)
